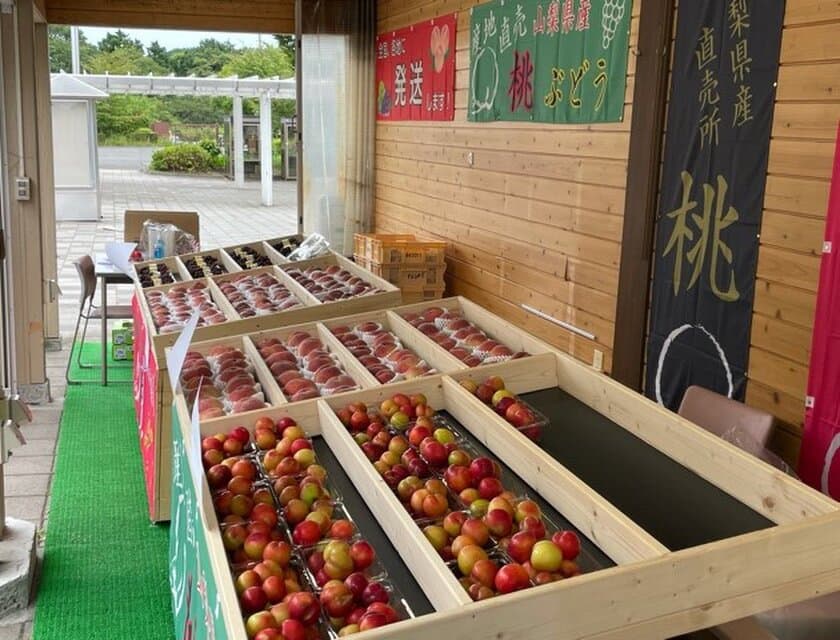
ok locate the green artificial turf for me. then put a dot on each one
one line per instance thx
(92, 355)
(105, 565)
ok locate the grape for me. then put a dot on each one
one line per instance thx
(611, 15)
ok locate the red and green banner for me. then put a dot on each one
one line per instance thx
(196, 605)
(415, 71)
(558, 61)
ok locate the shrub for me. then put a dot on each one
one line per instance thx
(210, 147)
(190, 158)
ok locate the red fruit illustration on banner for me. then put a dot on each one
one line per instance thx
(439, 46)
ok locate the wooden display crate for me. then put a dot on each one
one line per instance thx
(156, 438)
(790, 554)
(264, 247)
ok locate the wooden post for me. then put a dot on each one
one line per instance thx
(642, 190)
(238, 143)
(23, 241)
(266, 167)
(47, 186)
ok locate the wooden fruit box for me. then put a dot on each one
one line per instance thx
(223, 255)
(155, 439)
(788, 554)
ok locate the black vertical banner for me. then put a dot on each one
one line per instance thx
(719, 120)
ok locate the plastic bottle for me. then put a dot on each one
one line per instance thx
(158, 248)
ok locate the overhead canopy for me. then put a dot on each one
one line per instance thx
(187, 86)
(66, 86)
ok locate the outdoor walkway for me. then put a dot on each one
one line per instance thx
(228, 216)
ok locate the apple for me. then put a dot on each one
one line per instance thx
(337, 599)
(210, 443)
(534, 525)
(499, 522)
(274, 588)
(241, 504)
(443, 435)
(499, 395)
(485, 393)
(437, 536)
(495, 382)
(568, 543)
(253, 599)
(469, 495)
(408, 486)
(481, 468)
(342, 529)
(468, 556)
(303, 606)
(477, 530)
(435, 505)
(489, 488)
(419, 468)
(398, 445)
(546, 556)
(469, 385)
(259, 622)
(511, 577)
(265, 513)
(453, 522)
(279, 551)
(375, 592)
(418, 433)
(244, 468)
(484, 572)
(459, 457)
(525, 508)
(269, 634)
(357, 582)
(218, 476)
(245, 580)
(293, 629)
(362, 555)
(372, 621)
(385, 609)
(478, 507)
(569, 568)
(295, 511)
(338, 563)
(503, 405)
(434, 452)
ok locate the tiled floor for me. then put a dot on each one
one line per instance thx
(228, 216)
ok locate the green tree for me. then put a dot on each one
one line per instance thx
(126, 115)
(119, 40)
(124, 61)
(207, 59)
(263, 62)
(159, 54)
(198, 109)
(60, 51)
(287, 43)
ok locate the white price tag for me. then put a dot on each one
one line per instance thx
(178, 353)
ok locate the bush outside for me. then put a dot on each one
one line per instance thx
(186, 158)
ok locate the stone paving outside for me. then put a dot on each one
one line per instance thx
(227, 216)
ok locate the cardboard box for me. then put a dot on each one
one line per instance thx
(123, 333)
(122, 351)
(185, 220)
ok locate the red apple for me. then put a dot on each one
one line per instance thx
(303, 606)
(489, 488)
(568, 543)
(477, 530)
(520, 546)
(362, 555)
(259, 622)
(499, 522)
(482, 468)
(511, 577)
(253, 599)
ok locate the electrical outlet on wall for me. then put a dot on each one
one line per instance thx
(598, 360)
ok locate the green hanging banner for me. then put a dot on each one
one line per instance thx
(563, 61)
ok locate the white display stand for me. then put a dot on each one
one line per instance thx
(75, 148)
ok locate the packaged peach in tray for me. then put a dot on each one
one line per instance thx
(452, 331)
(223, 380)
(382, 352)
(304, 366)
(257, 294)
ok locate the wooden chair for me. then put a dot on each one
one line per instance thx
(89, 311)
(718, 414)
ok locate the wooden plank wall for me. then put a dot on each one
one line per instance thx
(537, 219)
(262, 16)
(801, 153)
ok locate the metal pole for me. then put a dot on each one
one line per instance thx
(266, 168)
(238, 143)
(74, 50)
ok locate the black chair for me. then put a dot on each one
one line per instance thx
(89, 311)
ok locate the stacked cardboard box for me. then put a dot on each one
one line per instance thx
(122, 341)
(416, 266)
